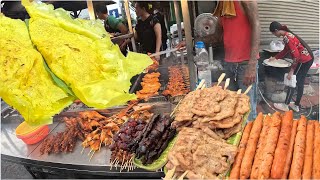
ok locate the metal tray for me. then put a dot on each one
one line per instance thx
(13, 149)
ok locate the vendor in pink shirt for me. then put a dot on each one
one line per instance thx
(302, 57)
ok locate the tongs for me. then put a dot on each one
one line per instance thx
(163, 52)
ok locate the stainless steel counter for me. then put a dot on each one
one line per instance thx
(15, 150)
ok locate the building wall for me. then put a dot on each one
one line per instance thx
(301, 17)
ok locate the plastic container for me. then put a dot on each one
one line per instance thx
(202, 62)
(31, 134)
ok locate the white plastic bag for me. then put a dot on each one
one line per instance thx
(276, 45)
(292, 82)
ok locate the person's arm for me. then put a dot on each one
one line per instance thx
(116, 24)
(283, 53)
(157, 31)
(122, 28)
(251, 10)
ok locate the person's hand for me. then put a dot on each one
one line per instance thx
(124, 44)
(250, 74)
(157, 58)
(272, 59)
(181, 45)
(290, 75)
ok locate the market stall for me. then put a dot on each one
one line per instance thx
(158, 125)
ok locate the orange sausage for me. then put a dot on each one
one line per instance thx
(290, 150)
(307, 167)
(260, 147)
(299, 150)
(316, 152)
(268, 152)
(282, 146)
(235, 172)
(250, 151)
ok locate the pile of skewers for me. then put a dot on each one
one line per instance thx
(120, 148)
(154, 66)
(92, 128)
(63, 141)
(177, 85)
(153, 139)
(100, 132)
(108, 127)
(150, 86)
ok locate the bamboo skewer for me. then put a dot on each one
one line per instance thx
(122, 163)
(221, 78)
(227, 83)
(100, 145)
(183, 175)
(92, 155)
(126, 164)
(170, 173)
(200, 84)
(89, 152)
(204, 86)
(131, 164)
(248, 89)
(116, 165)
(111, 164)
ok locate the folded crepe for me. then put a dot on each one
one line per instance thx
(25, 84)
(81, 54)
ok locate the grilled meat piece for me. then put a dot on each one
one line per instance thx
(150, 147)
(191, 153)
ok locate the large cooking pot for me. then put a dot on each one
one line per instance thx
(276, 69)
(274, 76)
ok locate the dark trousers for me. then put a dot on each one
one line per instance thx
(236, 72)
(301, 73)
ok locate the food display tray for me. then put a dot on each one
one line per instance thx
(14, 150)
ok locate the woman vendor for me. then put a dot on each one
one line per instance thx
(302, 60)
(148, 28)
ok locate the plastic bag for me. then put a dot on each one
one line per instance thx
(276, 45)
(25, 83)
(292, 82)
